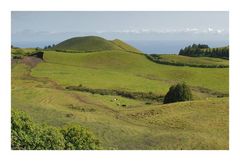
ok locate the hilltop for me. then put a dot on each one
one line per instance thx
(93, 43)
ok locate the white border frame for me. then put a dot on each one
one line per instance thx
(121, 5)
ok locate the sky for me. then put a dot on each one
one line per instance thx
(54, 27)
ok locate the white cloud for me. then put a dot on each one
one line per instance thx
(167, 31)
(210, 29)
(220, 31)
(192, 29)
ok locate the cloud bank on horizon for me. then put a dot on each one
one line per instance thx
(163, 25)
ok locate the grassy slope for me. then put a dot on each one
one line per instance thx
(88, 43)
(192, 60)
(188, 125)
(129, 71)
(22, 51)
(125, 46)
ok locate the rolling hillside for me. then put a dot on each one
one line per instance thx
(125, 46)
(130, 71)
(180, 60)
(120, 122)
(92, 43)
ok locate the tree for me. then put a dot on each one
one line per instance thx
(49, 138)
(181, 52)
(204, 50)
(27, 135)
(21, 131)
(179, 92)
(79, 138)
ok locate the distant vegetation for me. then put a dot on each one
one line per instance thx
(178, 93)
(49, 46)
(204, 50)
(27, 135)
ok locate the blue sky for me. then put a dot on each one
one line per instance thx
(57, 26)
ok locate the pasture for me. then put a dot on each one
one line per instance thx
(120, 122)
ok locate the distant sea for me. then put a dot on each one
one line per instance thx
(148, 46)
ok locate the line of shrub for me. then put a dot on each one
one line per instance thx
(132, 95)
(155, 58)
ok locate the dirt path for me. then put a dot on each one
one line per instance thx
(30, 61)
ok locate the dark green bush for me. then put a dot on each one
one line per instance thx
(79, 138)
(27, 135)
(22, 131)
(48, 138)
(179, 92)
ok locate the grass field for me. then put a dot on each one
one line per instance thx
(180, 60)
(22, 52)
(129, 71)
(193, 60)
(119, 122)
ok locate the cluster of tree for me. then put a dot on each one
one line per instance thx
(204, 50)
(27, 135)
(177, 93)
(49, 46)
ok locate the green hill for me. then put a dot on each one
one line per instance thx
(92, 43)
(125, 46)
(88, 43)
